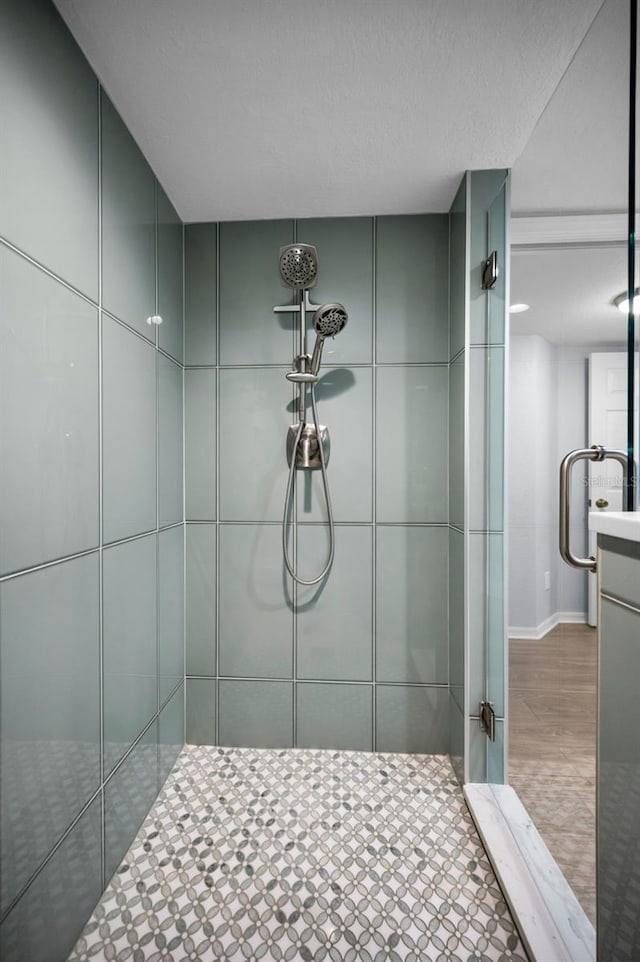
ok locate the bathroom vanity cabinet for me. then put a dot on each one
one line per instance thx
(618, 768)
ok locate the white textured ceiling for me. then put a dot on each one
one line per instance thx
(275, 108)
(576, 158)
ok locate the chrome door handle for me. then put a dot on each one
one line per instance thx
(595, 453)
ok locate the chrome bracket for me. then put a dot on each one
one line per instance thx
(488, 720)
(490, 271)
(295, 308)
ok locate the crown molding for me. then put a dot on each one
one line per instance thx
(533, 230)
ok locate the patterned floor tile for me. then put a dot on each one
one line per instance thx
(304, 855)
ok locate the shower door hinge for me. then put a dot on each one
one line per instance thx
(490, 271)
(488, 720)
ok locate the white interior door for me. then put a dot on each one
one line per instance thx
(607, 426)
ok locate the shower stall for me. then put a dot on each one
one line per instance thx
(204, 543)
(148, 412)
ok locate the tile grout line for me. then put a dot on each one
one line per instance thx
(184, 506)
(216, 720)
(103, 807)
(374, 472)
(157, 491)
(294, 549)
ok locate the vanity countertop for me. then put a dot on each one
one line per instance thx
(618, 524)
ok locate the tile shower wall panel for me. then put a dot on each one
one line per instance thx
(411, 604)
(334, 619)
(344, 246)
(49, 160)
(170, 270)
(412, 444)
(130, 668)
(200, 287)
(249, 287)
(351, 461)
(170, 610)
(49, 711)
(255, 408)
(128, 432)
(256, 603)
(128, 226)
(170, 453)
(200, 720)
(46, 921)
(412, 270)
(170, 733)
(79, 391)
(334, 716)
(412, 719)
(316, 647)
(48, 417)
(256, 714)
(200, 600)
(128, 797)
(200, 445)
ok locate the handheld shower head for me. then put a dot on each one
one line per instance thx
(328, 321)
(298, 264)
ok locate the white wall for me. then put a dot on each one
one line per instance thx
(548, 398)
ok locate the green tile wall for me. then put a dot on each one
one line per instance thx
(91, 499)
(362, 661)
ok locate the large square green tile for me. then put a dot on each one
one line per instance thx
(254, 420)
(250, 287)
(128, 796)
(170, 453)
(170, 734)
(200, 445)
(49, 457)
(256, 620)
(170, 609)
(411, 604)
(412, 289)
(345, 274)
(130, 658)
(412, 719)
(170, 270)
(200, 279)
(128, 226)
(201, 599)
(49, 124)
(200, 720)
(49, 707)
(345, 406)
(412, 444)
(129, 412)
(256, 714)
(334, 618)
(334, 716)
(46, 922)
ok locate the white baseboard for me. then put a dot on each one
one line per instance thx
(539, 631)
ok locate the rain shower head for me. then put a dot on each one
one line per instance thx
(328, 321)
(298, 265)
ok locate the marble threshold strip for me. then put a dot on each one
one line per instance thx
(551, 921)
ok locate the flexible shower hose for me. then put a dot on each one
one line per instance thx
(290, 493)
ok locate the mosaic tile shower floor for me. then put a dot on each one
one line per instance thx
(304, 855)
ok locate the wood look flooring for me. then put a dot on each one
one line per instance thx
(552, 746)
